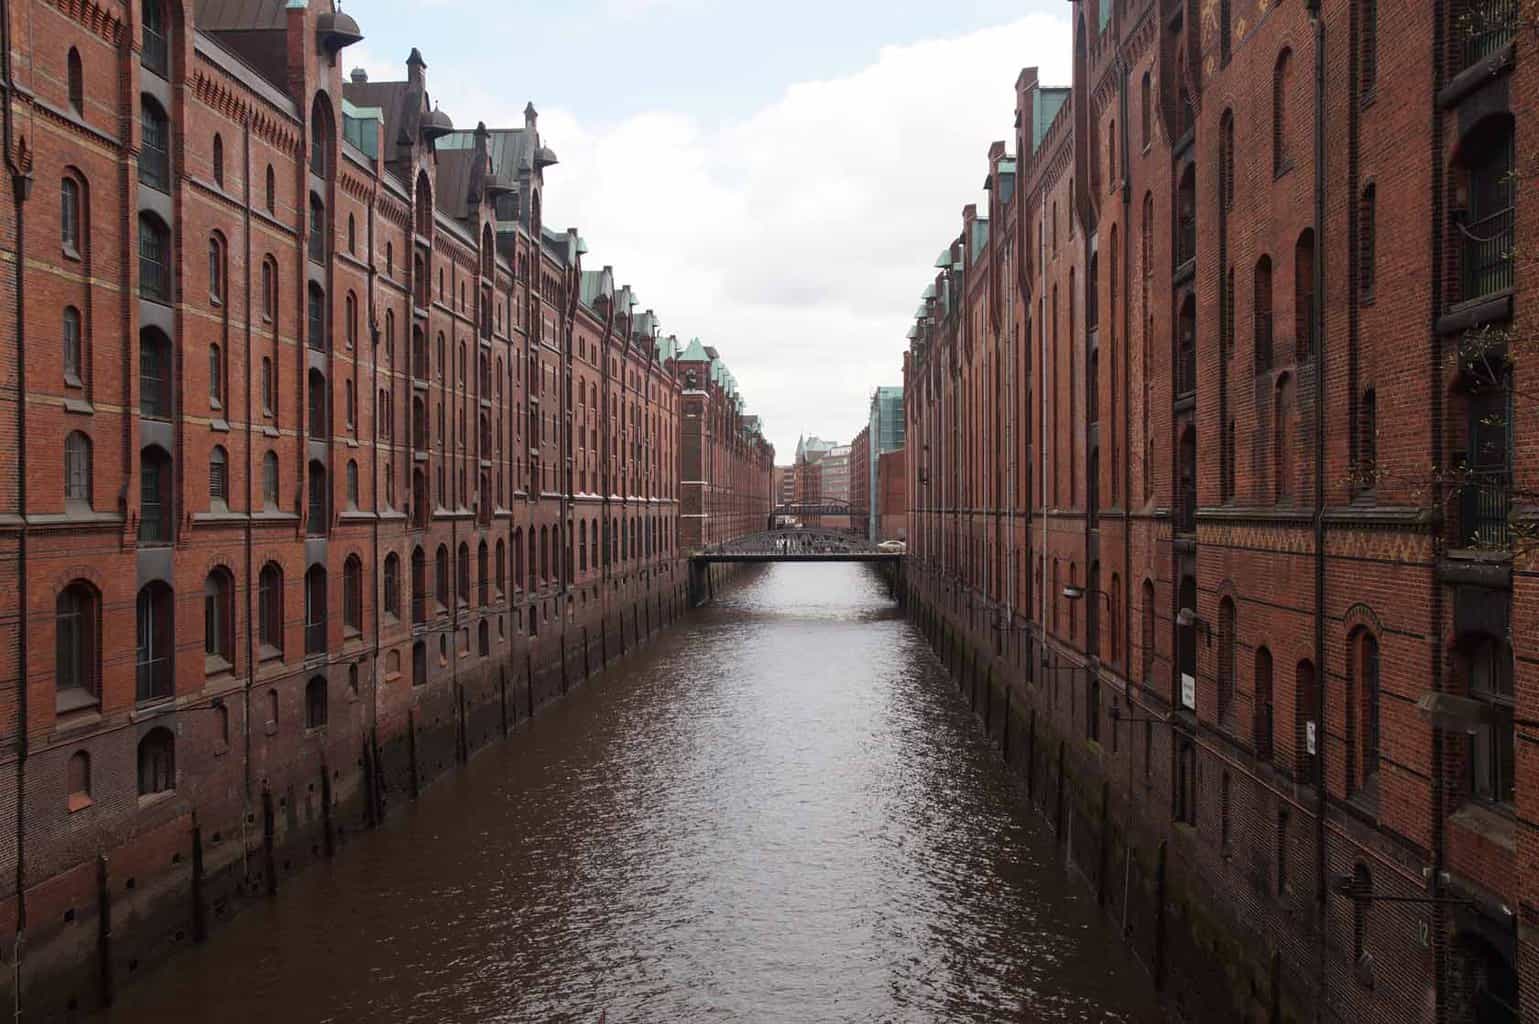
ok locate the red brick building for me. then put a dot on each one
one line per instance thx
(329, 461)
(891, 497)
(1218, 449)
(727, 464)
(860, 481)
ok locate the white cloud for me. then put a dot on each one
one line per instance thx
(797, 237)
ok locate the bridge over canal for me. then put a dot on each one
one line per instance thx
(803, 544)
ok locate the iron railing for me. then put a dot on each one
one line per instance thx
(1484, 27)
(1485, 255)
(1485, 509)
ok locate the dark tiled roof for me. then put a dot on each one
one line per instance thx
(390, 97)
(240, 15)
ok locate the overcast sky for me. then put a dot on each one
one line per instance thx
(776, 179)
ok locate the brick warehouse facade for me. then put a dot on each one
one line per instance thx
(1216, 494)
(289, 350)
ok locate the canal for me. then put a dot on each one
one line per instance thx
(780, 811)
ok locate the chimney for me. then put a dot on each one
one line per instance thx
(530, 116)
(415, 65)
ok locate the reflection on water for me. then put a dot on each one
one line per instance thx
(779, 812)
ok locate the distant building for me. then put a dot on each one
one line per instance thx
(860, 482)
(886, 435)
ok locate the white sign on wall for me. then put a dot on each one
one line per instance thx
(1188, 691)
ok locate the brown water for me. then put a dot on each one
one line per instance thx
(779, 812)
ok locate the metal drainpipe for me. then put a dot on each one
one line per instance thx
(20, 186)
(369, 738)
(1318, 326)
(1127, 366)
(251, 650)
(1435, 402)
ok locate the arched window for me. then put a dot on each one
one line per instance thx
(215, 377)
(155, 638)
(219, 620)
(77, 780)
(582, 548)
(315, 610)
(352, 234)
(483, 575)
(155, 490)
(77, 471)
(349, 406)
(154, 259)
(1262, 725)
(218, 476)
(463, 574)
(389, 259)
(501, 564)
(418, 586)
(1262, 313)
(320, 136)
(391, 585)
(272, 190)
(156, 53)
(315, 703)
(216, 272)
(77, 632)
(157, 762)
(154, 146)
(352, 594)
(424, 205)
(317, 237)
(270, 610)
(1282, 440)
(1304, 294)
(218, 160)
(518, 559)
(441, 576)
(352, 484)
(1227, 642)
(76, 82)
(1306, 737)
(74, 348)
(315, 320)
(270, 481)
(154, 374)
(1144, 108)
(1282, 86)
(544, 554)
(319, 517)
(1367, 440)
(1363, 679)
(350, 318)
(71, 210)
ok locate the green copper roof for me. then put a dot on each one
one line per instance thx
(944, 259)
(1049, 102)
(694, 353)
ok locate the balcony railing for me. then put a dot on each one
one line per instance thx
(1186, 371)
(1485, 255)
(1186, 241)
(1484, 27)
(1485, 507)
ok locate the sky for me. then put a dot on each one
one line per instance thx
(775, 179)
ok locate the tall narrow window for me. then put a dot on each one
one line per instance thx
(272, 190)
(77, 471)
(315, 703)
(391, 585)
(155, 513)
(69, 215)
(1224, 22)
(1226, 158)
(156, 54)
(157, 761)
(1144, 107)
(154, 259)
(315, 610)
(267, 385)
(1304, 295)
(218, 477)
(317, 238)
(1282, 440)
(218, 620)
(155, 642)
(1262, 318)
(1363, 650)
(270, 610)
(1262, 726)
(154, 147)
(77, 628)
(1492, 751)
(215, 377)
(352, 594)
(1227, 642)
(1282, 85)
(218, 160)
(270, 481)
(1367, 440)
(215, 271)
(1367, 229)
(315, 319)
(76, 82)
(319, 517)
